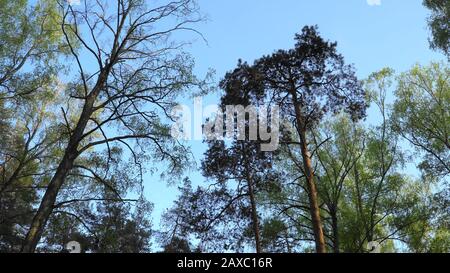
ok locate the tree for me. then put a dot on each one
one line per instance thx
(422, 115)
(340, 144)
(30, 43)
(386, 201)
(275, 236)
(177, 245)
(217, 218)
(308, 82)
(24, 164)
(229, 164)
(139, 73)
(438, 23)
(121, 230)
(241, 164)
(30, 138)
(363, 194)
(113, 227)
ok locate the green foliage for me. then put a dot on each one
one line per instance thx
(422, 114)
(113, 227)
(31, 43)
(439, 24)
(49, 87)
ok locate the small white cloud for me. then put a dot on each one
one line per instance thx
(374, 2)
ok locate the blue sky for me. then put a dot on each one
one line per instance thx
(371, 37)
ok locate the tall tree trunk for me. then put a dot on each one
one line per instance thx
(46, 207)
(335, 228)
(71, 153)
(360, 211)
(309, 173)
(255, 219)
(313, 200)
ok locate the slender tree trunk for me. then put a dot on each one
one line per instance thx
(311, 185)
(335, 228)
(71, 153)
(255, 219)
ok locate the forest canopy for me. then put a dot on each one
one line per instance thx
(87, 95)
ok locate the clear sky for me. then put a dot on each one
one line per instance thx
(393, 33)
